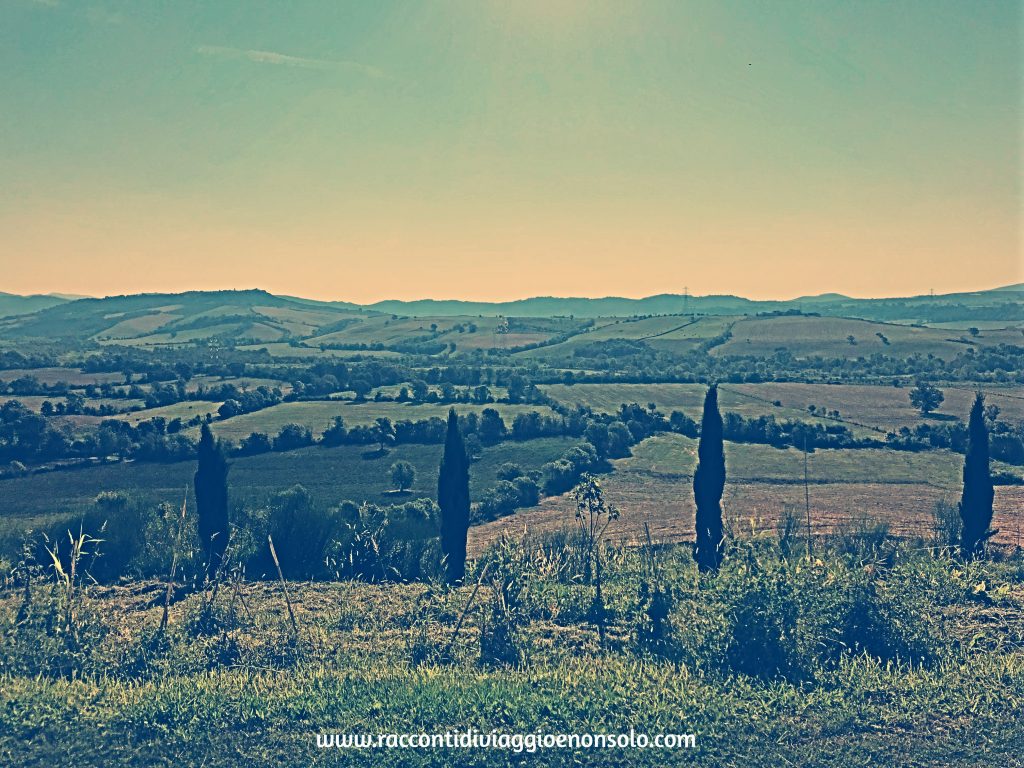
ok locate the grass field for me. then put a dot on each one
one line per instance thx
(72, 376)
(384, 329)
(368, 659)
(885, 408)
(827, 336)
(242, 382)
(318, 414)
(869, 411)
(688, 398)
(35, 402)
(184, 410)
(330, 474)
(983, 325)
(284, 350)
(677, 333)
(654, 486)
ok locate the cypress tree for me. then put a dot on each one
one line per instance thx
(708, 485)
(211, 484)
(453, 499)
(976, 501)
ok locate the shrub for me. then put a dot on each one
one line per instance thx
(292, 436)
(403, 474)
(301, 534)
(769, 617)
(509, 471)
(256, 442)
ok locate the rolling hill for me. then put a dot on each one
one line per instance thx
(548, 327)
(11, 304)
(157, 319)
(1006, 303)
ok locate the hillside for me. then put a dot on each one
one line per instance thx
(12, 304)
(1005, 303)
(155, 319)
(547, 327)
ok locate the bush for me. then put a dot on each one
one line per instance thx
(256, 442)
(769, 616)
(292, 436)
(301, 534)
(509, 471)
(506, 497)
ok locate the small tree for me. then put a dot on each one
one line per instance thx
(492, 426)
(926, 397)
(211, 487)
(978, 493)
(403, 475)
(335, 434)
(383, 431)
(362, 387)
(419, 390)
(708, 486)
(453, 499)
(593, 516)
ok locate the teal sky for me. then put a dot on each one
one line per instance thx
(496, 150)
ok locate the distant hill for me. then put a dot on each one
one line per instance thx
(1000, 304)
(153, 319)
(256, 317)
(12, 304)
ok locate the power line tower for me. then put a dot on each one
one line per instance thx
(686, 300)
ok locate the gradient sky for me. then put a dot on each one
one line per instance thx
(497, 150)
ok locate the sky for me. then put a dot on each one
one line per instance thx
(492, 150)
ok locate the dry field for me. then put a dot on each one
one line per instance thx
(845, 487)
(880, 407)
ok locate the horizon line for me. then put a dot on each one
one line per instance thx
(839, 295)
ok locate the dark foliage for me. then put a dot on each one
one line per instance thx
(453, 499)
(976, 501)
(211, 486)
(708, 485)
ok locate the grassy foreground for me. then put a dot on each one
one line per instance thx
(869, 654)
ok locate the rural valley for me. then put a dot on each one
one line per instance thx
(844, 426)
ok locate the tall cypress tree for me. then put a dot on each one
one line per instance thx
(453, 499)
(976, 501)
(708, 485)
(211, 484)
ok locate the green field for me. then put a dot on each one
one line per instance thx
(331, 475)
(384, 329)
(35, 402)
(285, 350)
(242, 382)
(828, 337)
(676, 333)
(868, 410)
(72, 376)
(318, 415)
(386, 658)
(184, 410)
(688, 398)
(750, 463)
